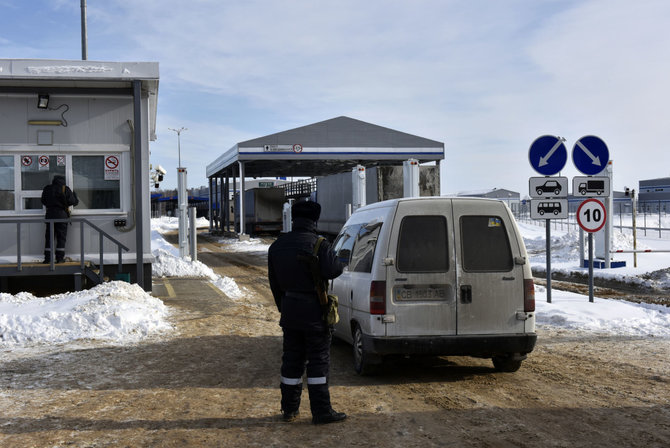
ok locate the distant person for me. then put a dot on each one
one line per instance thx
(57, 198)
(307, 337)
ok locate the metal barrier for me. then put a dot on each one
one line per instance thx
(82, 221)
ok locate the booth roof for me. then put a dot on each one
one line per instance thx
(326, 147)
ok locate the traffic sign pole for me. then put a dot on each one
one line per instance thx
(591, 217)
(547, 155)
(591, 267)
(548, 243)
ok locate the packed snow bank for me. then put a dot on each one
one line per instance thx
(652, 271)
(575, 312)
(168, 263)
(114, 311)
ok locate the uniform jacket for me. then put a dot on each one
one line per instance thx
(290, 278)
(57, 197)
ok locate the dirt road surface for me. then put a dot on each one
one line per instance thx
(214, 382)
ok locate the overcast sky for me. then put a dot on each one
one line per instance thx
(486, 77)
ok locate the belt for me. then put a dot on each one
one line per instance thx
(301, 295)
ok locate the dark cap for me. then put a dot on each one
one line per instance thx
(306, 209)
(58, 180)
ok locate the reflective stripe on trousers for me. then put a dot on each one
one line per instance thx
(298, 381)
(291, 381)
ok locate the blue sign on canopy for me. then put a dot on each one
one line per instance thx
(547, 155)
(590, 155)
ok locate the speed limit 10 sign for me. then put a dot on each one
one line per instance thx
(591, 215)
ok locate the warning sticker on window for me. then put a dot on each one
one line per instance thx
(495, 222)
(112, 167)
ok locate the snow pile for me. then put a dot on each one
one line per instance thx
(575, 312)
(168, 223)
(251, 245)
(114, 311)
(652, 270)
(168, 263)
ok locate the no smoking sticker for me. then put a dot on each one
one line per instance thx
(112, 164)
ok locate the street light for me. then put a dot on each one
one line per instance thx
(182, 199)
(178, 131)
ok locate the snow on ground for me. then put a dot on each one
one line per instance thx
(605, 316)
(114, 311)
(168, 263)
(122, 313)
(653, 269)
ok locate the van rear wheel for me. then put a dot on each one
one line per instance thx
(506, 363)
(364, 362)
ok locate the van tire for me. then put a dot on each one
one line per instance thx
(362, 358)
(506, 363)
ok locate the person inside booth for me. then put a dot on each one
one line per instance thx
(57, 198)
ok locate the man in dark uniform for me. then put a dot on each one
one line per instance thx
(57, 197)
(306, 336)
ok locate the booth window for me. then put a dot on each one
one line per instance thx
(6, 182)
(93, 188)
(38, 171)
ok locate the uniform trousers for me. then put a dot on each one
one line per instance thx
(302, 349)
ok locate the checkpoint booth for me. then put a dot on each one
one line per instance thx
(90, 122)
(341, 148)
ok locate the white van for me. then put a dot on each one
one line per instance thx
(435, 276)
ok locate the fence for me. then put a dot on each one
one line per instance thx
(652, 217)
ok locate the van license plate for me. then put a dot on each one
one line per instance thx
(403, 293)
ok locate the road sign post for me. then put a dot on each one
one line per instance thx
(547, 155)
(591, 217)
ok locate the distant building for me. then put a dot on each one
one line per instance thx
(511, 198)
(654, 194)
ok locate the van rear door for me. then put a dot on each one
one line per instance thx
(421, 296)
(490, 283)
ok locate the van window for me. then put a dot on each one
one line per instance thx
(345, 242)
(422, 244)
(485, 244)
(364, 248)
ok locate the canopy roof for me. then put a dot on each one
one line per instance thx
(326, 147)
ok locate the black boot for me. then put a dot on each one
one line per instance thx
(290, 401)
(319, 402)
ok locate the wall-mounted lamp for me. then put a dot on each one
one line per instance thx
(42, 101)
(45, 122)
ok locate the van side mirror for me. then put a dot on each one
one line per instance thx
(520, 260)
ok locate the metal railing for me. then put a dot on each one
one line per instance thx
(82, 221)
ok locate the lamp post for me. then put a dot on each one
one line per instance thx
(182, 198)
(178, 131)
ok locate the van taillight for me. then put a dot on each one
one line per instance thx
(528, 295)
(378, 297)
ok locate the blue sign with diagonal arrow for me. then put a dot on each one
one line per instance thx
(590, 155)
(547, 155)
